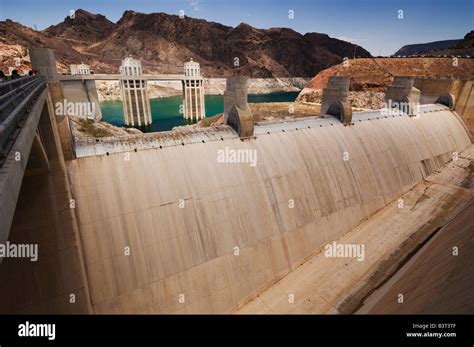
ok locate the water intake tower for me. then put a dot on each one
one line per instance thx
(193, 92)
(136, 103)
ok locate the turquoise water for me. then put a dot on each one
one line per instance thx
(165, 111)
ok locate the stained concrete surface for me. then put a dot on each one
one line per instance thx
(440, 277)
(437, 282)
(434, 281)
(190, 251)
(183, 260)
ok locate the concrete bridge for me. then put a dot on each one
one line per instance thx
(111, 232)
(23, 128)
(118, 77)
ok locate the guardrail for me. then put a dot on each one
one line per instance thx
(17, 97)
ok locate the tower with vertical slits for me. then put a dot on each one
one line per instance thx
(193, 90)
(136, 103)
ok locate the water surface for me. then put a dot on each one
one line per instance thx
(165, 111)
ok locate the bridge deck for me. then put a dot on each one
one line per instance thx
(116, 77)
(17, 132)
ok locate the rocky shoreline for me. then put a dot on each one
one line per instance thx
(85, 129)
(367, 99)
(110, 90)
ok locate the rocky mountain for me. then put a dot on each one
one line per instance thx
(461, 47)
(82, 26)
(15, 40)
(421, 48)
(466, 44)
(336, 46)
(163, 42)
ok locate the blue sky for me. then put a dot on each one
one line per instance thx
(373, 24)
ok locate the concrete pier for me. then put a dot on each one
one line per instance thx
(335, 99)
(235, 95)
(337, 89)
(136, 103)
(403, 94)
(193, 90)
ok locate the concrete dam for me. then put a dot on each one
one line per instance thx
(168, 228)
(191, 250)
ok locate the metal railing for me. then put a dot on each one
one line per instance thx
(17, 98)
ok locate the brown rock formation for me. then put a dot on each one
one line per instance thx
(374, 74)
(85, 27)
(370, 76)
(164, 41)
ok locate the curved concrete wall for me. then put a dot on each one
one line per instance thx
(461, 89)
(184, 259)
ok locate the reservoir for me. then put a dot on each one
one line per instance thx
(166, 111)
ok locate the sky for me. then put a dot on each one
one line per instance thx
(372, 24)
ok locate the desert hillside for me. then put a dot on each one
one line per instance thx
(376, 73)
(420, 48)
(370, 77)
(163, 42)
(463, 47)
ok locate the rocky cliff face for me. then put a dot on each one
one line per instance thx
(82, 26)
(466, 44)
(15, 40)
(426, 47)
(163, 42)
(439, 48)
(374, 73)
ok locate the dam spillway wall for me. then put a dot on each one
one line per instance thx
(461, 89)
(175, 230)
